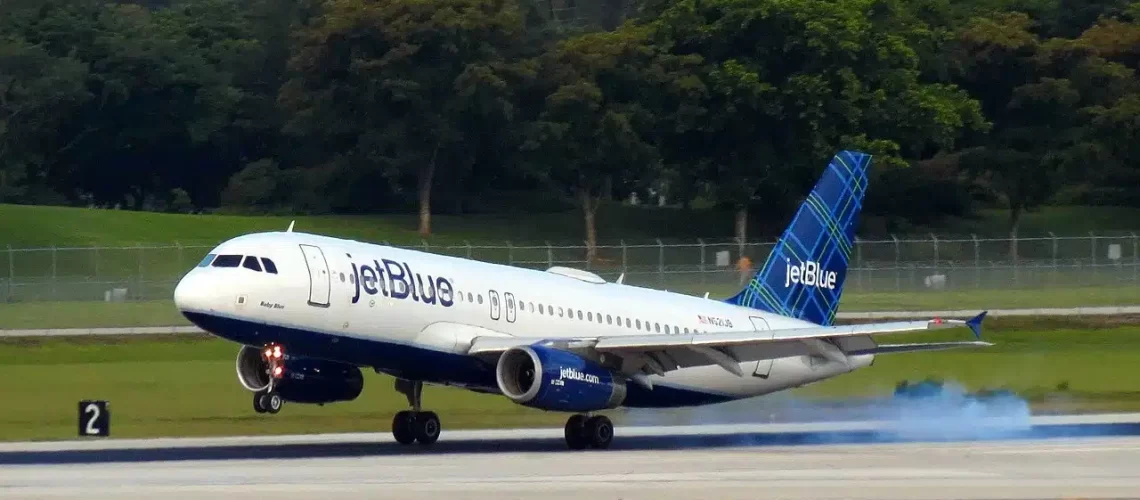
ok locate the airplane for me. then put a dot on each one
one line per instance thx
(310, 311)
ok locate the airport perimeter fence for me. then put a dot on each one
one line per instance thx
(905, 265)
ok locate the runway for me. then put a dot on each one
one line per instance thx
(1076, 457)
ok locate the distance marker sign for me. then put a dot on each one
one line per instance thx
(94, 419)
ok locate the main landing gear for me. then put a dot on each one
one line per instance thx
(583, 431)
(265, 400)
(414, 425)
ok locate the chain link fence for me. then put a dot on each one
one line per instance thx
(895, 265)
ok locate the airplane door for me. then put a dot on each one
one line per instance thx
(319, 283)
(764, 366)
(510, 299)
(494, 305)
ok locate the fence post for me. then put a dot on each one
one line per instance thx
(660, 262)
(54, 274)
(468, 244)
(11, 271)
(624, 258)
(935, 238)
(139, 288)
(1135, 258)
(1095, 274)
(1053, 275)
(898, 282)
(425, 244)
(510, 253)
(701, 242)
(858, 264)
(181, 263)
(586, 247)
(549, 255)
(95, 251)
(977, 261)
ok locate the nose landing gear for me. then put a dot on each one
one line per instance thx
(267, 401)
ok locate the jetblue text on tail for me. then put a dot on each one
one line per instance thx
(809, 273)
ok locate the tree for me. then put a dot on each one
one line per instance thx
(400, 89)
(1036, 93)
(590, 134)
(787, 83)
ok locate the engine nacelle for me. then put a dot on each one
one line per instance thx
(550, 379)
(303, 380)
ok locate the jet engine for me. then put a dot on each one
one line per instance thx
(551, 379)
(299, 379)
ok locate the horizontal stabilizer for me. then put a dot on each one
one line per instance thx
(933, 346)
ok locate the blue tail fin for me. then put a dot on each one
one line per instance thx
(803, 276)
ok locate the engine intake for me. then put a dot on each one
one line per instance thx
(551, 379)
(303, 380)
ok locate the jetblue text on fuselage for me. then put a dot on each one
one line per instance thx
(809, 274)
(396, 280)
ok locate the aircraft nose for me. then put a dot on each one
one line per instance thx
(192, 293)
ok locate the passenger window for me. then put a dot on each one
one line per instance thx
(479, 298)
(590, 316)
(227, 261)
(676, 330)
(206, 260)
(599, 318)
(270, 267)
(627, 323)
(609, 319)
(657, 327)
(560, 312)
(342, 277)
(639, 324)
(532, 307)
(686, 331)
(251, 263)
(569, 312)
(471, 298)
(579, 314)
(352, 279)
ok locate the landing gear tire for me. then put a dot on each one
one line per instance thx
(576, 432)
(593, 432)
(412, 426)
(404, 427)
(267, 402)
(427, 427)
(599, 432)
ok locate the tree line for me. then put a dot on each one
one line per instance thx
(449, 106)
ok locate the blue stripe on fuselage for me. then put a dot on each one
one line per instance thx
(412, 362)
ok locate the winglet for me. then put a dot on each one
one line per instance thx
(975, 324)
(290, 226)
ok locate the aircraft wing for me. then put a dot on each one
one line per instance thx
(657, 354)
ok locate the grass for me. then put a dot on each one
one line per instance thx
(78, 314)
(36, 226)
(185, 385)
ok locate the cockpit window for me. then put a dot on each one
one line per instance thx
(251, 263)
(206, 260)
(270, 267)
(227, 261)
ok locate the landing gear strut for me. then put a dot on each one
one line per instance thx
(267, 401)
(594, 432)
(414, 425)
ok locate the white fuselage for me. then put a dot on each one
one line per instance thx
(345, 300)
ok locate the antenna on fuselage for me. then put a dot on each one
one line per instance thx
(290, 226)
(706, 295)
